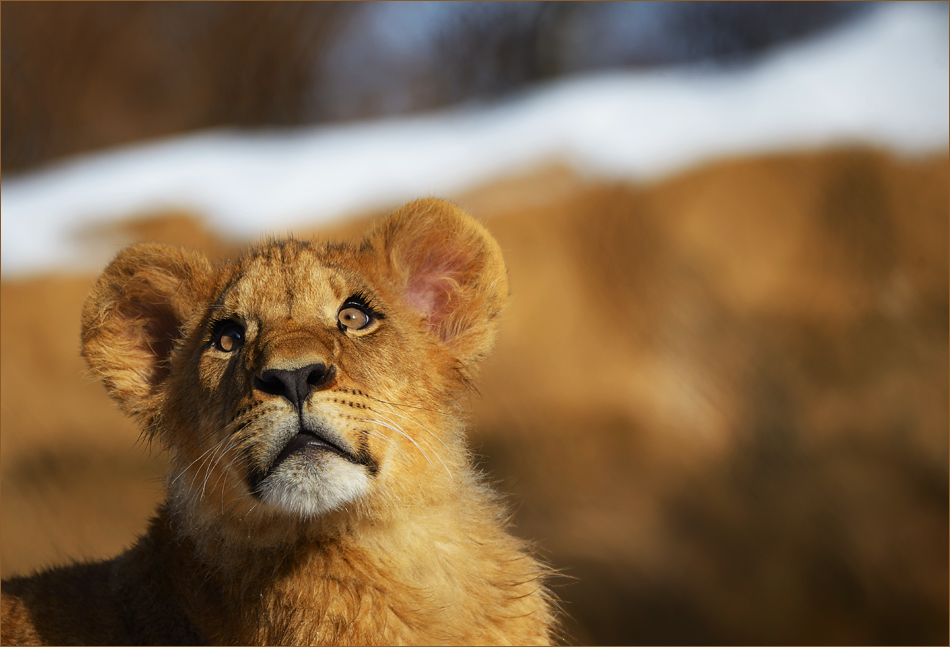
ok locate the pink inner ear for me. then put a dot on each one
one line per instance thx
(432, 283)
(421, 295)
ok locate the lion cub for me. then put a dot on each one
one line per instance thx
(320, 490)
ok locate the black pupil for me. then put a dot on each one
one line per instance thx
(353, 317)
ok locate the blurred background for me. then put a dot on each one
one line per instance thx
(83, 76)
(719, 403)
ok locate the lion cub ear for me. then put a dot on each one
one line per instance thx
(447, 267)
(133, 316)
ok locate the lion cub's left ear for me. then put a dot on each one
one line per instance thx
(447, 267)
(134, 316)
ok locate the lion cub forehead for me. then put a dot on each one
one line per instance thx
(288, 278)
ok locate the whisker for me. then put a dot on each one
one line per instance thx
(230, 445)
(190, 464)
(386, 438)
(395, 427)
(227, 472)
(205, 453)
(214, 449)
(434, 451)
(238, 424)
(400, 432)
(241, 424)
(404, 406)
(235, 445)
(418, 424)
(207, 466)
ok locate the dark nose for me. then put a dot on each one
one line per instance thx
(296, 384)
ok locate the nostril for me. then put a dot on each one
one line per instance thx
(295, 385)
(270, 383)
(317, 374)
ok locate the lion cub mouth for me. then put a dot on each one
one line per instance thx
(305, 442)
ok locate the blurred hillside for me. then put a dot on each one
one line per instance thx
(719, 402)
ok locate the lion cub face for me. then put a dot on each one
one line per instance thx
(286, 348)
(303, 380)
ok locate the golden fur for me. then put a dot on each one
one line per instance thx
(321, 490)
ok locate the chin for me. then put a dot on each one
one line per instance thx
(311, 487)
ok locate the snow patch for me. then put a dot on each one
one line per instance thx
(882, 80)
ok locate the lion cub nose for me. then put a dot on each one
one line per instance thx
(296, 384)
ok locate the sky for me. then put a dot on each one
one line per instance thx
(881, 80)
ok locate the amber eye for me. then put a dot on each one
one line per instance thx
(352, 318)
(228, 336)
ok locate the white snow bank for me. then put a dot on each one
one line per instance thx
(882, 80)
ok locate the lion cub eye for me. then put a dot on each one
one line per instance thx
(228, 336)
(353, 318)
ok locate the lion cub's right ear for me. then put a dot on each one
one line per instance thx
(133, 316)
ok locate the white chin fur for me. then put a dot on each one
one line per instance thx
(308, 488)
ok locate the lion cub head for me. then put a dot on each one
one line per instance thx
(303, 385)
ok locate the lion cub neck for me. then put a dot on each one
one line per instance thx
(446, 578)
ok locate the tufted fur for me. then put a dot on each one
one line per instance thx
(377, 529)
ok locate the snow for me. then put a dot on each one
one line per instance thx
(881, 80)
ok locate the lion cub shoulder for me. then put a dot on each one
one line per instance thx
(320, 491)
